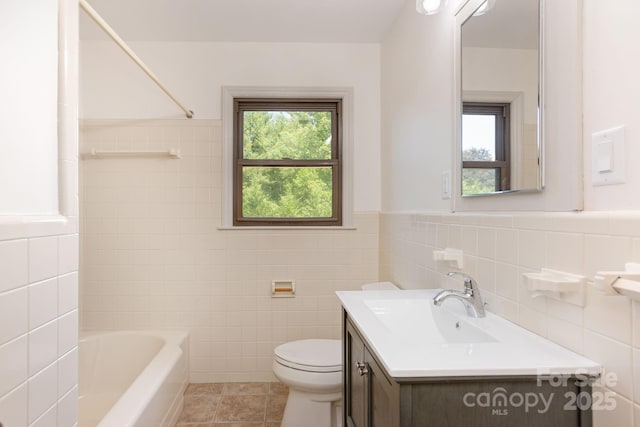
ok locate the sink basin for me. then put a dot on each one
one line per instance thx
(414, 338)
(421, 319)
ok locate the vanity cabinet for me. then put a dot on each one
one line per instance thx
(373, 398)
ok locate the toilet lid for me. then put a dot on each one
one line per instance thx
(316, 355)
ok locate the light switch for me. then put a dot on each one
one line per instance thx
(446, 185)
(607, 157)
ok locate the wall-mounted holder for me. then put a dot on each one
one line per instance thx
(172, 153)
(283, 289)
(450, 255)
(625, 282)
(558, 285)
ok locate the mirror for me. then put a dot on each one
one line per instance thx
(500, 120)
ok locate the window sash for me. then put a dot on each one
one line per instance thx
(502, 164)
(242, 105)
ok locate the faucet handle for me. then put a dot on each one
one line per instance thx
(469, 283)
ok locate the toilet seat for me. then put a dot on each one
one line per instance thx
(313, 355)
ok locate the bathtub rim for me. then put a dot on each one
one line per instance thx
(133, 402)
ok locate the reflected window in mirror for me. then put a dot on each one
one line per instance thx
(528, 54)
(500, 64)
(486, 161)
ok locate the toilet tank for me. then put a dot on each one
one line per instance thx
(380, 286)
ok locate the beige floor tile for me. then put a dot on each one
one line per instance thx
(197, 425)
(198, 409)
(275, 407)
(246, 388)
(238, 425)
(204, 388)
(233, 405)
(278, 388)
(244, 408)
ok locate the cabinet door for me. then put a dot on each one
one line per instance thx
(383, 399)
(355, 384)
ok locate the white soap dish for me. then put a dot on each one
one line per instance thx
(451, 255)
(557, 285)
(625, 282)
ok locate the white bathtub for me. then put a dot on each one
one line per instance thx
(132, 378)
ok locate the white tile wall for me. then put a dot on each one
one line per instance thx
(43, 258)
(48, 419)
(68, 248)
(13, 407)
(67, 292)
(34, 300)
(14, 364)
(14, 306)
(41, 294)
(153, 256)
(35, 253)
(43, 393)
(14, 258)
(606, 329)
(68, 408)
(43, 347)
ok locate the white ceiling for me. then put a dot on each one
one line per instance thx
(321, 21)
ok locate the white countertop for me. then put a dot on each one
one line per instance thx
(413, 338)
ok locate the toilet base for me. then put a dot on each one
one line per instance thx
(312, 410)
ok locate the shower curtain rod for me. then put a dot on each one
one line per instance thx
(116, 38)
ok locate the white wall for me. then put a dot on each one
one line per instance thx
(28, 128)
(418, 126)
(503, 70)
(39, 330)
(611, 93)
(417, 89)
(38, 253)
(112, 86)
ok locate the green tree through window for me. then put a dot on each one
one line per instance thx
(478, 180)
(287, 163)
(486, 154)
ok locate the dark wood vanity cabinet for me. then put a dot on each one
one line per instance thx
(372, 398)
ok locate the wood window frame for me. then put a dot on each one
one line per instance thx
(502, 163)
(240, 105)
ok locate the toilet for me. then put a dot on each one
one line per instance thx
(312, 369)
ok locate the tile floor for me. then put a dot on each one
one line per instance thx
(233, 405)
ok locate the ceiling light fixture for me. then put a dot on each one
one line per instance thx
(485, 7)
(429, 7)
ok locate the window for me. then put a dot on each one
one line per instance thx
(486, 148)
(287, 161)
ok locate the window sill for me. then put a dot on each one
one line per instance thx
(286, 227)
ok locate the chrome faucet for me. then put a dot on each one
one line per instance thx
(470, 297)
